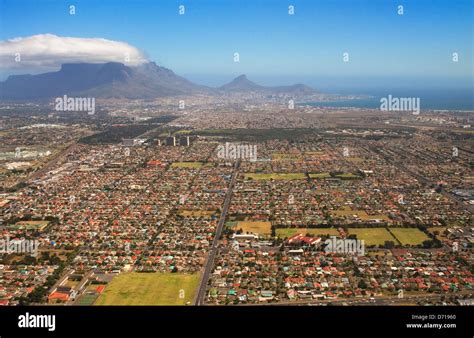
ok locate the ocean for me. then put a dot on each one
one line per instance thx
(452, 99)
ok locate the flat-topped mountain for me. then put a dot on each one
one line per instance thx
(107, 80)
(116, 80)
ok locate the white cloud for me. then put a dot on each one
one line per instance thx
(48, 50)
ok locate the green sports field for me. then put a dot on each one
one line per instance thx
(275, 176)
(409, 236)
(320, 175)
(157, 288)
(193, 165)
(288, 232)
(372, 236)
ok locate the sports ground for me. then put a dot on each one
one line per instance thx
(155, 288)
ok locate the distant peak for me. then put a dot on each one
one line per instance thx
(241, 83)
(241, 77)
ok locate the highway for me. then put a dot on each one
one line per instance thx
(212, 253)
(80, 288)
(61, 280)
(49, 165)
(456, 199)
(376, 301)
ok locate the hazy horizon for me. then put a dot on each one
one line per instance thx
(269, 41)
(364, 47)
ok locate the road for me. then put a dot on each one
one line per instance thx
(80, 288)
(377, 301)
(456, 199)
(212, 253)
(61, 280)
(48, 166)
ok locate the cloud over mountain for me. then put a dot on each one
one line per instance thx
(48, 50)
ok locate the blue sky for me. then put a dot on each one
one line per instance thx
(271, 43)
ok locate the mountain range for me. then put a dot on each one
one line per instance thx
(116, 80)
